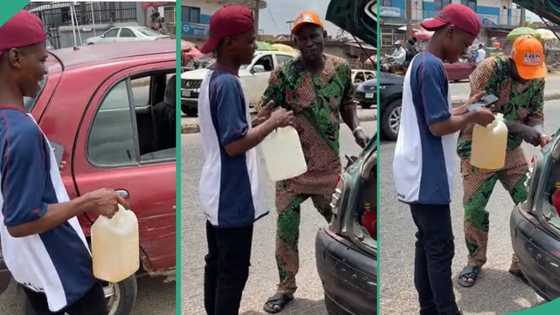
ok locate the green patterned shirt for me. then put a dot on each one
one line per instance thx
(521, 102)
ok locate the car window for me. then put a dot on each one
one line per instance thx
(266, 61)
(359, 78)
(126, 32)
(141, 91)
(111, 33)
(155, 116)
(283, 59)
(29, 102)
(148, 32)
(111, 140)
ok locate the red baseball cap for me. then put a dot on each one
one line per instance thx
(23, 29)
(461, 16)
(229, 20)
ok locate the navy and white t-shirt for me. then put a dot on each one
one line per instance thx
(230, 188)
(424, 164)
(56, 262)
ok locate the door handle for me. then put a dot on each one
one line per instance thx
(123, 193)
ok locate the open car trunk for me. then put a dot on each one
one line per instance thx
(548, 9)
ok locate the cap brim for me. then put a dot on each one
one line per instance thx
(532, 72)
(433, 24)
(210, 45)
(296, 28)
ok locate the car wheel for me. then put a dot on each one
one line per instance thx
(333, 308)
(120, 297)
(190, 112)
(391, 120)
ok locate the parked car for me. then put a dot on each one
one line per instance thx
(126, 34)
(96, 106)
(361, 75)
(346, 250)
(390, 87)
(535, 226)
(254, 79)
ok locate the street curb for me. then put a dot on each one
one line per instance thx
(194, 128)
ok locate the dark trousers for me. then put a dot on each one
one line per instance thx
(227, 268)
(92, 303)
(433, 257)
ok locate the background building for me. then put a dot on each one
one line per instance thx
(498, 16)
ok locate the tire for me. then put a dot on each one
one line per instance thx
(120, 297)
(365, 105)
(333, 308)
(190, 112)
(390, 120)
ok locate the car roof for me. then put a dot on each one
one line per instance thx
(106, 53)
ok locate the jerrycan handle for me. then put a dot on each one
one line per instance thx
(118, 215)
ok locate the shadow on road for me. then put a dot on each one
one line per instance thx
(486, 296)
(309, 307)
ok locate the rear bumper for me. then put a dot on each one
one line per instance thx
(538, 253)
(348, 274)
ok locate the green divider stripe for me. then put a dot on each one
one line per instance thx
(549, 308)
(10, 8)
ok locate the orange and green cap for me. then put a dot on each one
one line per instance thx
(528, 57)
(306, 17)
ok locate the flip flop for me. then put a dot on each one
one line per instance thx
(277, 302)
(469, 275)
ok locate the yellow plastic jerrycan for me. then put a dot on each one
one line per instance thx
(283, 154)
(489, 144)
(115, 246)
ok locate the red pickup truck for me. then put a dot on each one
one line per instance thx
(97, 107)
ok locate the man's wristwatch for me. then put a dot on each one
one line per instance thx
(356, 130)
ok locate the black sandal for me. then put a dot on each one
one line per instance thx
(277, 302)
(469, 275)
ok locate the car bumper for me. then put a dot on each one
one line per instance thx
(348, 275)
(538, 252)
(365, 98)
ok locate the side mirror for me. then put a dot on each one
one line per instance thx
(257, 69)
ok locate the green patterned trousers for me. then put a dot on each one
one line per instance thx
(287, 236)
(478, 185)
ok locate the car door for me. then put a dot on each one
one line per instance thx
(126, 35)
(536, 230)
(115, 149)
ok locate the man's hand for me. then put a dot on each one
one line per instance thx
(361, 137)
(483, 117)
(104, 201)
(545, 139)
(282, 118)
(528, 133)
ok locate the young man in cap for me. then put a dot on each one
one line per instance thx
(318, 89)
(230, 188)
(42, 242)
(518, 82)
(423, 165)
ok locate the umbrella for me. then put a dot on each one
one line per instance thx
(546, 34)
(284, 48)
(153, 4)
(522, 31)
(264, 46)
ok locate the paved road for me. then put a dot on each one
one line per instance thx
(496, 292)
(154, 298)
(461, 90)
(263, 275)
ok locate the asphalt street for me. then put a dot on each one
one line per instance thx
(263, 274)
(496, 292)
(155, 297)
